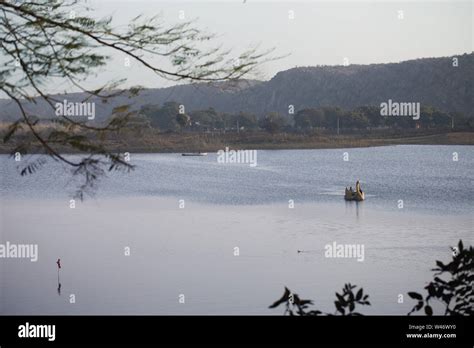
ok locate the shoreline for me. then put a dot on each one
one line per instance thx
(151, 141)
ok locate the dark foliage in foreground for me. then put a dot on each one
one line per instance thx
(345, 303)
(456, 293)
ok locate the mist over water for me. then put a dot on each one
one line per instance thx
(190, 251)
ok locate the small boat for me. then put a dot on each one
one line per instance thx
(194, 154)
(354, 196)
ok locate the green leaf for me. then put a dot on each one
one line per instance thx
(428, 310)
(339, 307)
(431, 290)
(415, 295)
(283, 299)
(419, 305)
(341, 299)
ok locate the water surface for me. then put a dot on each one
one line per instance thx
(190, 251)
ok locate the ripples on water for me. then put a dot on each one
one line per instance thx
(191, 250)
(424, 177)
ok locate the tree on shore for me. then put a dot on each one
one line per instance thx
(272, 122)
(49, 41)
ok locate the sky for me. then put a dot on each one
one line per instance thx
(320, 32)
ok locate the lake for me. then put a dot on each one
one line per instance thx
(229, 237)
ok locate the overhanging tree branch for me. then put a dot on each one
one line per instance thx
(42, 43)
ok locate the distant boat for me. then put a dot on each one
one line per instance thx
(194, 154)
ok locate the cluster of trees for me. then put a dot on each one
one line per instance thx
(369, 117)
(170, 117)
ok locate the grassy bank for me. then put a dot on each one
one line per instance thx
(153, 141)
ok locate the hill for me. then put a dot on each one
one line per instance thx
(430, 81)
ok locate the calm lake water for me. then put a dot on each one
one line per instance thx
(190, 250)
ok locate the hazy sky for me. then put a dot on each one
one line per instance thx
(321, 33)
